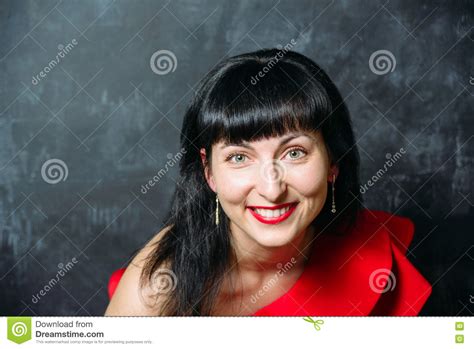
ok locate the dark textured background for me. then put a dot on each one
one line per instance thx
(115, 123)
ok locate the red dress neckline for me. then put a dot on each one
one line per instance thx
(363, 272)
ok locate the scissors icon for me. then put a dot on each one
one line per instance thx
(316, 323)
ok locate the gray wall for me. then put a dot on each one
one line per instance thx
(114, 123)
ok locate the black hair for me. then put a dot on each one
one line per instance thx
(248, 97)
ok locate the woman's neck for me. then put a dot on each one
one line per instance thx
(254, 266)
(252, 257)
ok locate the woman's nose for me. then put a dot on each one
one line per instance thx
(271, 181)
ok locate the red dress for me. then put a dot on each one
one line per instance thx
(361, 273)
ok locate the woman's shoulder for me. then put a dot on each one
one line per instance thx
(129, 297)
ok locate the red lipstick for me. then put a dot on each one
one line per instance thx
(273, 220)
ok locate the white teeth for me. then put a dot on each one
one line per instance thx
(272, 213)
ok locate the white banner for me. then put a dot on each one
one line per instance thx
(238, 332)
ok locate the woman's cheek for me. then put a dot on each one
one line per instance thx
(309, 179)
(311, 185)
(234, 185)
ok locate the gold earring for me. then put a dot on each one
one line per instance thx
(217, 210)
(333, 209)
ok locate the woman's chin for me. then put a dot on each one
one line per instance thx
(271, 238)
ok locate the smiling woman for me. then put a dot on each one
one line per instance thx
(266, 217)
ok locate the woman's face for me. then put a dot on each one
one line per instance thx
(292, 170)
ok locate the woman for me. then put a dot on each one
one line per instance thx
(266, 217)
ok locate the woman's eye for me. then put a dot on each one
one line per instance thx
(294, 153)
(239, 158)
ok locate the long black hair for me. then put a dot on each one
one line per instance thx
(248, 97)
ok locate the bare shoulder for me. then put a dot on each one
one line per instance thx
(129, 298)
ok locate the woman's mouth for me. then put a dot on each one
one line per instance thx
(273, 216)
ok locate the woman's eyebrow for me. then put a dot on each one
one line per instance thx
(282, 142)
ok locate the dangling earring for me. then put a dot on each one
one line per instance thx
(333, 209)
(217, 210)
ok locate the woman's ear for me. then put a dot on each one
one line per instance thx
(202, 152)
(207, 170)
(333, 170)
